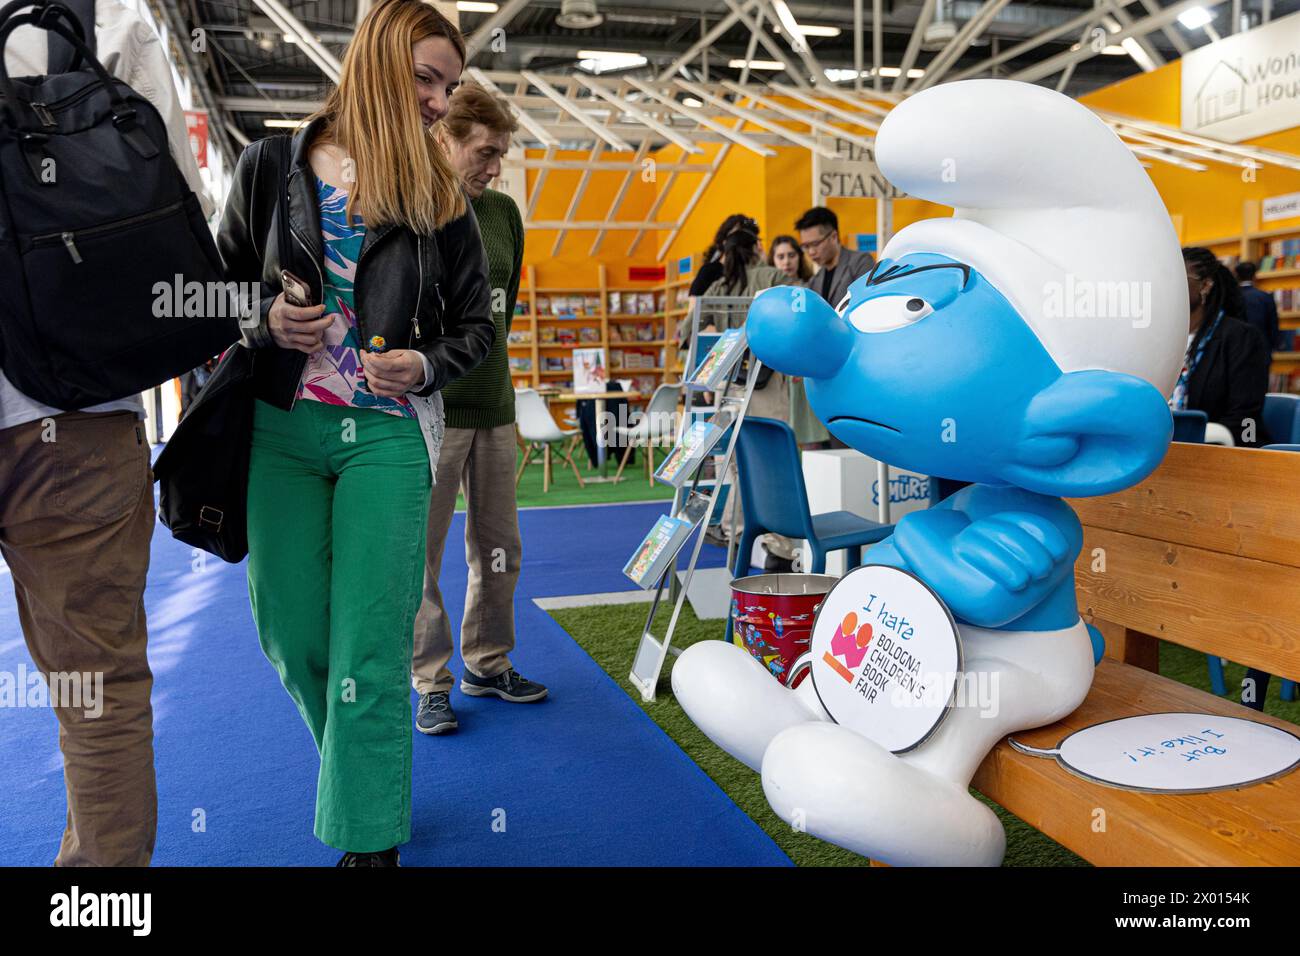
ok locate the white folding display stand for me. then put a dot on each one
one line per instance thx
(697, 499)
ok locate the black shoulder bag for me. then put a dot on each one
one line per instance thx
(203, 471)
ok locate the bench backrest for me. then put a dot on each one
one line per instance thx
(1204, 553)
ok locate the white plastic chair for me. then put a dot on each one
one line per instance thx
(539, 432)
(651, 430)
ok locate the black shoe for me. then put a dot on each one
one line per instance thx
(383, 858)
(435, 715)
(508, 685)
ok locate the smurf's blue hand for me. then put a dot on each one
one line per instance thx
(989, 570)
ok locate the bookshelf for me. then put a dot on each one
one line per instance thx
(1276, 250)
(634, 322)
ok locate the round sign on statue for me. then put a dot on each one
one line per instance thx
(886, 656)
(1176, 753)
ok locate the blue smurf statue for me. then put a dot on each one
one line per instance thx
(1026, 345)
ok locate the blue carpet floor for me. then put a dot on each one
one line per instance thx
(584, 778)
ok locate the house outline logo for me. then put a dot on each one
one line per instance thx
(1222, 95)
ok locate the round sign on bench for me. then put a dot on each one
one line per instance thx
(1176, 753)
(885, 656)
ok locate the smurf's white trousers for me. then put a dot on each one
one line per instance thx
(910, 809)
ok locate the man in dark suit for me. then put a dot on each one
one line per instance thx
(837, 267)
(1260, 309)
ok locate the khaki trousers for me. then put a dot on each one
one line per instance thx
(482, 462)
(76, 518)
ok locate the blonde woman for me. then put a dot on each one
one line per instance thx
(349, 419)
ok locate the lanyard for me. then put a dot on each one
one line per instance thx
(1189, 365)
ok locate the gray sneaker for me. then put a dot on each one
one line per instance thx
(435, 715)
(508, 685)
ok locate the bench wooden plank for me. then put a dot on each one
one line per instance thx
(1253, 826)
(1239, 501)
(1239, 608)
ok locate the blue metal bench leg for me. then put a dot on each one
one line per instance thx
(1288, 690)
(1216, 674)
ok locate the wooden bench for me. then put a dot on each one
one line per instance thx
(1205, 553)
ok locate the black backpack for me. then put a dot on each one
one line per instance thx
(112, 281)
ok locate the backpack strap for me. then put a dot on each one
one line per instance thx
(63, 57)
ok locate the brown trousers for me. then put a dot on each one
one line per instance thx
(482, 462)
(76, 518)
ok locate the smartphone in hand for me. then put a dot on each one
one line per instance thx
(296, 292)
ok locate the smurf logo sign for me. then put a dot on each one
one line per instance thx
(885, 656)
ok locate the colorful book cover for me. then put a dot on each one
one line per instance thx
(697, 441)
(590, 373)
(657, 550)
(717, 365)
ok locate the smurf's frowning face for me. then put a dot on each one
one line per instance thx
(928, 367)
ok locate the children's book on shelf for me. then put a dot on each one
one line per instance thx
(645, 332)
(521, 305)
(615, 303)
(520, 337)
(588, 334)
(657, 550)
(616, 333)
(591, 305)
(543, 305)
(697, 441)
(589, 371)
(546, 334)
(566, 336)
(523, 364)
(645, 303)
(717, 365)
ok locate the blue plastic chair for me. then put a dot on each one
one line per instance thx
(1282, 417)
(774, 499)
(1189, 426)
(1281, 448)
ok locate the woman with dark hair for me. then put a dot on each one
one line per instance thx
(1225, 372)
(711, 258)
(786, 255)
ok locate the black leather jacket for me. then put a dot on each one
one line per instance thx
(423, 292)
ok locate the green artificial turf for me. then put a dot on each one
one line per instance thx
(565, 490)
(609, 634)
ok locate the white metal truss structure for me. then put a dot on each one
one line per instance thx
(630, 117)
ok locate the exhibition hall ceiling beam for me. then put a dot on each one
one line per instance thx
(698, 116)
(526, 121)
(959, 44)
(757, 119)
(499, 20)
(1153, 59)
(756, 29)
(857, 119)
(813, 121)
(704, 42)
(796, 41)
(1142, 27)
(564, 103)
(913, 45)
(1263, 156)
(638, 114)
(704, 183)
(1086, 19)
(617, 203)
(1173, 36)
(306, 40)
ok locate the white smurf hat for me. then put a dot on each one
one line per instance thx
(1054, 211)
